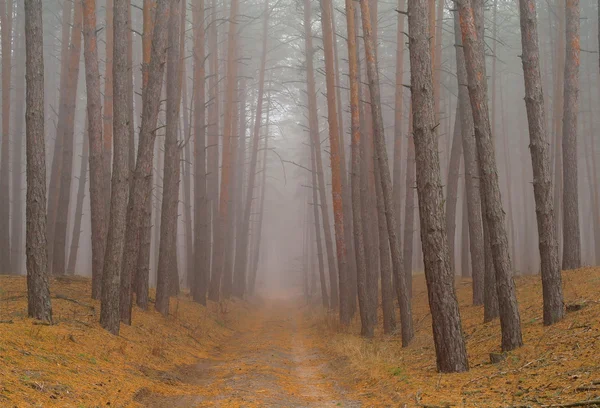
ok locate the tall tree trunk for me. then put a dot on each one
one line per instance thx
(381, 160)
(557, 109)
(409, 208)
(201, 203)
(452, 188)
(66, 155)
(38, 293)
(212, 147)
(261, 206)
(113, 260)
(475, 63)
(447, 331)
(242, 256)
(142, 267)
(6, 12)
(540, 158)
(368, 311)
(18, 249)
(398, 114)
(54, 185)
(167, 258)
(107, 113)
(316, 143)
(464, 259)
(138, 216)
(94, 113)
(472, 188)
(571, 234)
(79, 206)
(336, 175)
(239, 275)
(221, 237)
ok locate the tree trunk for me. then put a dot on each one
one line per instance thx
(336, 175)
(212, 148)
(447, 331)
(239, 277)
(452, 188)
(241, 260)
(18, 212)
(557, 108)
(94, 113)
(107, 113)
(472, 188)
(66, 155)
(409, 208)
(167, 258)
(111, 278)
(398, 114)
(54, 186)
(6, 11)
(475, 63)
(201, 209)
(79, 206)
(138, 216)
(381, 160)
(368, 311)
(221, 233)
(540, 158)
(38, 293)
(571, 234)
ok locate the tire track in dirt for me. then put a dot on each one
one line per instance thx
(267, 364)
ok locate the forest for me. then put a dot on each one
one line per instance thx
(297, 203)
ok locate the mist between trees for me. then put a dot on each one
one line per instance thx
(336, 147)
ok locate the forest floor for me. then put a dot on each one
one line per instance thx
(282, 353)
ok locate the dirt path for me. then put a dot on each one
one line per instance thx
(269, 364)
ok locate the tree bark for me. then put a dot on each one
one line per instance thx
(241, 260)
(201, 203)
(409, 208)
(66, 155)
(94, 113)
(475, 63)
(336, 175)
(452, 188)
(571, 233)
(107, 113)
(540, 158)
(79, 206)
(472, 188)
(381, 160)
(221, 233)
(138, 216)
(38, 293)
(6, 11)
(113, 260)
(447, 331)
(167, 258)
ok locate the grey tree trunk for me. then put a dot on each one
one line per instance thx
(201, 204)
(138, 214)
(79, 206)
(94, 113)
(472, 190)
(452, 188)
(451, 354)
(167, 258)
(381, 160)
(510, 321)
(113, 260)
(409, 209)
(66, 155)
(571, 233)
(540, 158)
(38, 293)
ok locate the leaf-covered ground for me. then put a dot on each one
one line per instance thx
(282, 353)
(559, 364)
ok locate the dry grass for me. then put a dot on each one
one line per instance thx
(75, 363)
(558, 364)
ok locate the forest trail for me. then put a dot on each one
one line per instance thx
(270, 362)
